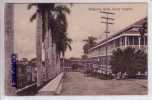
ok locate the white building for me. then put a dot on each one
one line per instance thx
(128, 37)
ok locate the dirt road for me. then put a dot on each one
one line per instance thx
(76, 83)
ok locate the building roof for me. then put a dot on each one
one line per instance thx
(129, 29)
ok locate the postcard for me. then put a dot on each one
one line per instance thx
(76, 49)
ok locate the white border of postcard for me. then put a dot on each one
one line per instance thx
(127, 97)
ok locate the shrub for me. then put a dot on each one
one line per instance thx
(129, 60)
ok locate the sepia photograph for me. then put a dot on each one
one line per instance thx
(76, 49)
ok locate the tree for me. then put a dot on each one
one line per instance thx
(43, 13)
(89, 42)
(129, 60)
(44, 10)
(84, 56)
(117, 61)
(59, 29)
(141, 61)
(54, 19)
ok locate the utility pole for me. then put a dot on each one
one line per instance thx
(107, 21)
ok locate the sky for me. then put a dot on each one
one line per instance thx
(82, 22)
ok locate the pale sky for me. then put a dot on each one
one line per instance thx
(81, 23)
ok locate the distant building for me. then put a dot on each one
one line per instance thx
(69, 65)
(32, 63)
(66, 65)
(128, 37)
(26, 72)
(23, 73)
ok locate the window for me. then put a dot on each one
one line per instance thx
(146, 40)
(136, 40)
(130, 40)
(117, 42)
(123, 41)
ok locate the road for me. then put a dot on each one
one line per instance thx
(76, 83)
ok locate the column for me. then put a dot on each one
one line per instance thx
(144, 40)
(139, 41)
(125, 41)
(133, 41)
(120, 42)
(9, 45)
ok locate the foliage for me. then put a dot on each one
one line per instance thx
(59, 29)
(43, 9)
(129, 60)
(89, 42)
(84, 56)
(54, 19)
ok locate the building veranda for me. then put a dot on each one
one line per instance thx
(125, 38)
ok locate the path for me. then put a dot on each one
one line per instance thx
(76, 83)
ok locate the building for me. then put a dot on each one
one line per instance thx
(26, 72)
(22, 73)
(32, 63)
(66, 65)
(128, 37)
(72, 64)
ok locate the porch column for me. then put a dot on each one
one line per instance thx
(133, 41)
(139, 41)
(120, 42)
(125, 41)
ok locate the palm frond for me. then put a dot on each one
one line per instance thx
(30, 5)
(69, 46)
(62, 8)
(33, 17)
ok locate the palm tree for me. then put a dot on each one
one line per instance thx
(44, 10)
(63, 44)
(54, 19)
(43, 14)
(59, 30)
(58, 22)
(90, 42)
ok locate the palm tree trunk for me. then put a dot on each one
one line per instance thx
(50, 57)
(54, 59)
(39, 51)
(9, 45)
(46, 46)
(63, 64)
(58, 62)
